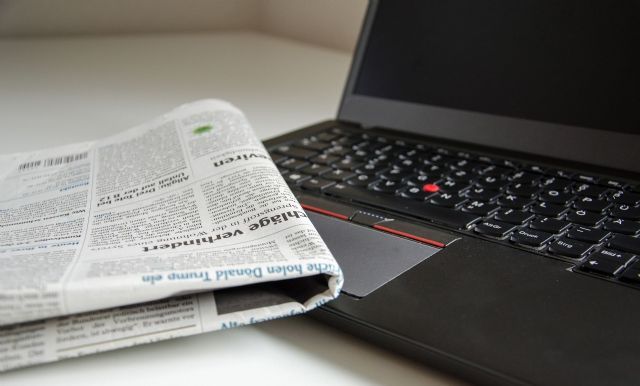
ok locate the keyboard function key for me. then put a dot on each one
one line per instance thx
(570, 248)
(625, 243)
(530, 237)
(494, 228)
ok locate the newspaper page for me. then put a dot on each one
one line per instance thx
(179, 226)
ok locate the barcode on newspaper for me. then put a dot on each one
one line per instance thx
(53, 161)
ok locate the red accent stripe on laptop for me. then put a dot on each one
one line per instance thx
(410, 236)
(324, 211)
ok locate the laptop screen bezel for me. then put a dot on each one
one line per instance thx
(609, 149)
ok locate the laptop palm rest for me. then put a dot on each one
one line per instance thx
(368, 258)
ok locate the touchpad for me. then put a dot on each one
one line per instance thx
(368, 258)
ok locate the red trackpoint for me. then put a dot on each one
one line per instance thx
(430, 188)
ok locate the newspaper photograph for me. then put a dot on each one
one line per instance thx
(179, 226)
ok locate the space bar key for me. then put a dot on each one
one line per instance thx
(422, 210)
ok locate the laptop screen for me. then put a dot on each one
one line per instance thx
(570, 62)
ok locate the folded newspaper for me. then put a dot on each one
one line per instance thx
(179, 226)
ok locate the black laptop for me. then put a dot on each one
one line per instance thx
(480, 188)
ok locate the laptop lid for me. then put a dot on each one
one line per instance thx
(553, 78)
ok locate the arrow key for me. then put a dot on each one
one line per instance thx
(602, 266)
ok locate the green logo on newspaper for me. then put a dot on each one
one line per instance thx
(202, 129)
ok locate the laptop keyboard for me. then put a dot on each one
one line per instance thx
(591, 220)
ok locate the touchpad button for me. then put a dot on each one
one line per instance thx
(368, 258)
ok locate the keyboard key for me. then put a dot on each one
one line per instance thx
(386, 186)
(491, 182)
(586, 178)
(535, 169)
(451, 186)
(420, 180)
(293, 164)
(590, 190)
(556, 197)
(570, 248)
(626, 227)
(583, 217)
(421, 210)
(619, 257)
(550, 225)
(313, 144)
(555, 183)
(626, 212)
(592, 204)
(295, 152)
(615, 184)
(492, 170)
(601, 266)
(523, 190)
(338, 175)
(296, 178)
(624, 197)
(480, 208)
(449, 200)
(327, 137)
(414, 193)
(371, 168)
(460, 175)
(561, 173)
(362, 180)
(632, 274)
(277, 158)
(514, 216)
(526, 178)
(315, 169)
(347, 164)
(324, 159)
(530, 237)
(338, 150)
(482, 194)
(514, 202)
(589, 235)
(396, 174)
(316, 184)
(625, 243)
(548, 210)
(494, 228)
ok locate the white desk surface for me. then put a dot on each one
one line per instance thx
(58, 91)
